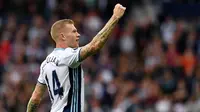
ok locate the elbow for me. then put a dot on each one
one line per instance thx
(35, 98)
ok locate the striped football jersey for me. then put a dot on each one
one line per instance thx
(61, 72)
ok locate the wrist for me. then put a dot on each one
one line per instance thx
(115, 17)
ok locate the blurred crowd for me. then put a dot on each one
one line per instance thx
(151, 62)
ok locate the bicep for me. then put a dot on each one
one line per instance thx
(87, 51)
(38, 92)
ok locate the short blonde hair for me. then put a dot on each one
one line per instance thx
(56, 28)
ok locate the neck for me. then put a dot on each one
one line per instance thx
(61, 45)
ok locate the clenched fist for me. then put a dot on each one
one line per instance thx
(119, 10)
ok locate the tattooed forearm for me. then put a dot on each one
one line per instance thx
(36, 98)
(100, 39)
(32, 106)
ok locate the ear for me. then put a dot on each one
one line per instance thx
(63, 36)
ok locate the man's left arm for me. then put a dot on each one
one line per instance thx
(36, 97)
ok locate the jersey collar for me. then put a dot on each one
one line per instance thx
(55, 49)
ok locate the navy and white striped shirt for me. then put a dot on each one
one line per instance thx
(62, 73)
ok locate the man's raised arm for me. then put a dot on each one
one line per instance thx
(100, 39)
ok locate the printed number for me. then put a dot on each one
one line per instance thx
(58, 89)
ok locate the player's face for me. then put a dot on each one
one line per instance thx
(72, 36)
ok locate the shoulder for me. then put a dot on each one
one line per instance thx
(58, 51)
(43, 64)
(72, 50)
(69, 49)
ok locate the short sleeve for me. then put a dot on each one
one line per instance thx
(41, 79)
(71, 57)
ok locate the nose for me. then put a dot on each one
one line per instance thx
(78, 35)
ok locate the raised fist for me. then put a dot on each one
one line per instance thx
(119, 10)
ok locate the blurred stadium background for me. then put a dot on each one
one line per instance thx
(149, 64)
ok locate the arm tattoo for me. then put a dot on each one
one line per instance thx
(36, 98)
(32, 106)
(99, 40)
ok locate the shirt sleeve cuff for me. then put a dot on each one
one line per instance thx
(41, 83)
(79, 55)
